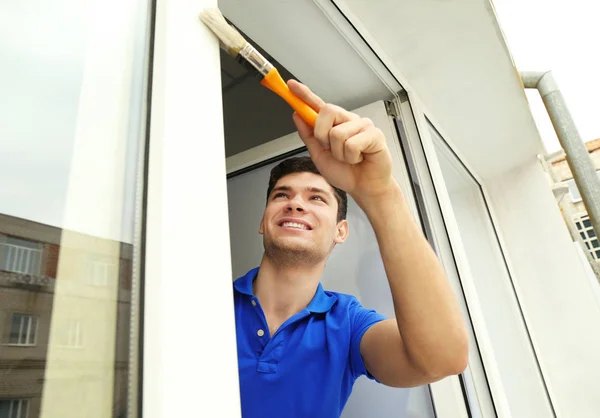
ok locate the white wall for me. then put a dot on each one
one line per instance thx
(558, 300)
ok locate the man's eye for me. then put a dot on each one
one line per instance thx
(278, 195)
(318, 198)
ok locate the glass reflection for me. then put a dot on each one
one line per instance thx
(71, 116)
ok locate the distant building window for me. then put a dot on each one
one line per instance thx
(584, 226)
(13, 408)
(23, 329)
(71, 334)
(99, 271)
(20, 256)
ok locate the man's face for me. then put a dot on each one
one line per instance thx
(300, 221)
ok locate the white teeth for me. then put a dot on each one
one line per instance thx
(294, 225)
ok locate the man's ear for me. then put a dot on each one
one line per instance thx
(261, 228)
(342, 232)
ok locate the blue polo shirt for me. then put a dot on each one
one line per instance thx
(308, 367)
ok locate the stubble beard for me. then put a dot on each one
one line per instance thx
(290, 255)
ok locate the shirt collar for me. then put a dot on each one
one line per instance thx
(320, 303)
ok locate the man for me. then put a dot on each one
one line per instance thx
(301, 348)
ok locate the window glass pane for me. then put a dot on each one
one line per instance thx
(15, 329)
(595, 243)
(73, 87)
(591, 233)
(32, 330)
(587, 223)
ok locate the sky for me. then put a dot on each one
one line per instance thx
(561, 36)
(65, 91)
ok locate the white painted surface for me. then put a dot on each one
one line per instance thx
(562, 311)
(190, 361)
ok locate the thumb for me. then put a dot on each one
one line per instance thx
(307, 136)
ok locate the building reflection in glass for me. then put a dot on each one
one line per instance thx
(64, 322)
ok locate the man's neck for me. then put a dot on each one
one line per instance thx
(285, 290)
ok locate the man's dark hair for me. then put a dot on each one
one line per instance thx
(303, 165)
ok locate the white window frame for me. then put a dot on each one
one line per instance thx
(20, 404)
(31, 323)
(453, 256)
(189, 367)
(22, 253)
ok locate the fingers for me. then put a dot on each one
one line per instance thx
(338, 135)
(353, 141)
(306, 95)
(358, 146)
(306, 134)
(345, 134)
(366, 143)
(329, 117)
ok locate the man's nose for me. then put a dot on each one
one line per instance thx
(295, 205)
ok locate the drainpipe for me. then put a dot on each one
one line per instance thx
(577, 156)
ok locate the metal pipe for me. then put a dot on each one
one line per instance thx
(577, 156)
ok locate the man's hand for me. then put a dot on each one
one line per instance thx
(349, 151)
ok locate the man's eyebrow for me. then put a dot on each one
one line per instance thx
(308, 188)
(281, 188)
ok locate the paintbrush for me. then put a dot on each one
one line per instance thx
(236, 46)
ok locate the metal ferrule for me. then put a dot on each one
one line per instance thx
(250, 55)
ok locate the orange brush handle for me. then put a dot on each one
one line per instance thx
(275, 83)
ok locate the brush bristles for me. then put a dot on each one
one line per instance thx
(231, 40)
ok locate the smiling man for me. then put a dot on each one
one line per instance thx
(301, 347)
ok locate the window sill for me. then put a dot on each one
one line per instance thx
(19, 345)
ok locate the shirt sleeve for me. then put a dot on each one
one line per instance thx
(361, 319)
